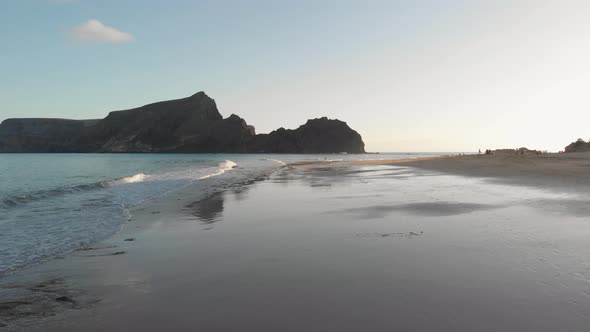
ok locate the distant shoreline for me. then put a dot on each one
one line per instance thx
(568, 171)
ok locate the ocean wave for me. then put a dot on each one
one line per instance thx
(139, 177)
(16, 200)
(326, 160)
(276, 161)
(223, 167)
(42, 224)
(188, 175)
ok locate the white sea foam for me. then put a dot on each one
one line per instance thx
(189, 174)
(223, 167)
(277, 161)
(193, 174)
(132, 179)
(95, 211)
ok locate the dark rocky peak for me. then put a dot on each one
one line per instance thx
(324, 123)
(199, 95)
(235, 118)
(192, 124)
(321, 135)
(198, 106)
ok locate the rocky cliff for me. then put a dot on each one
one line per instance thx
(189, 125)
(47, 135)
(316, 136)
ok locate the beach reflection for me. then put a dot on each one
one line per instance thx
(401, 248)
(240, 192)
(209, 209)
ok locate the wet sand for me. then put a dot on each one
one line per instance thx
(549, 170)
(333, 247)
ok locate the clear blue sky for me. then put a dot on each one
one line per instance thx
(408, 75)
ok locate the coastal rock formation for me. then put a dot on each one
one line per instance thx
(188, 125)
(578, 146)
(316, 136)
(47, 135)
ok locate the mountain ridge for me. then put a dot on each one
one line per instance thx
(186, 125)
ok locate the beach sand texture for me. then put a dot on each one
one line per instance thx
(469, 243)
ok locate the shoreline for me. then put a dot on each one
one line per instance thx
(564, 171)
(171, 243)
(67, 287)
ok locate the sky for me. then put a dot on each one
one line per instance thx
(411, 75)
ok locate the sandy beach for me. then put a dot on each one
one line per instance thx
(566, 171)
(463, 243)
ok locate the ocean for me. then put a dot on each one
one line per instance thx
(54, 204)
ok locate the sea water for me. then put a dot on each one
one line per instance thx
(53, 204)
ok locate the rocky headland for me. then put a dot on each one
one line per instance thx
(187, 125)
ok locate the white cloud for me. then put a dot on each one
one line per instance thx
(96, 31)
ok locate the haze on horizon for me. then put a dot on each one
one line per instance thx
(408, 75)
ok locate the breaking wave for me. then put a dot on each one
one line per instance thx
(186, 176)
(139, 177)
(50, 221)
(277, 161)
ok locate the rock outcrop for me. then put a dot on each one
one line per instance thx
(316, 136)
(47, 135)
(578, 146)
(188, 125)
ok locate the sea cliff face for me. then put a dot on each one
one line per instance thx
(316, 136)
(188, 125)
(47, 135)
(191, 124)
